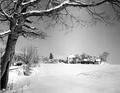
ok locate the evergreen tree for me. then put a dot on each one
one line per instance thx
(51, 56)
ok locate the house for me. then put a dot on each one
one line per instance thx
(70, 58)
(98, 60)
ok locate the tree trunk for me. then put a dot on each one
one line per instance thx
(7, 58)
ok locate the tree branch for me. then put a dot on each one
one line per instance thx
(60, 7)
(28, 21)
(18, 3)
(38, 34)
(2, 18)
(3, 34)
(47, 7)
(97, 16)
(30, 3)
(29, 27)
(3, 12)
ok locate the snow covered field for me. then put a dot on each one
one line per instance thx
(68, 78)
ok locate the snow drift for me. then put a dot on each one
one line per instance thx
(68, 78)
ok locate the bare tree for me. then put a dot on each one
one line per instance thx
(17, 14)
(104, 56)
(30, 55)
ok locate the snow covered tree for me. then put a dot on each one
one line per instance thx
(104, 56)
(18, 15)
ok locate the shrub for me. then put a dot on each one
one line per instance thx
(30, 55)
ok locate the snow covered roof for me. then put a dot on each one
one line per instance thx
(71, 56)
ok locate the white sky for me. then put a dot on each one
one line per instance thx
(93, 40)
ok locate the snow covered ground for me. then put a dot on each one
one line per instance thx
(68, 78)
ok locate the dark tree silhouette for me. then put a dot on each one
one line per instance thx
(18, 15)
(51, 56)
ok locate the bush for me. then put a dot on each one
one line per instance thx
(30, 55)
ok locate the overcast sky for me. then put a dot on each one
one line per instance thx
(92, 39)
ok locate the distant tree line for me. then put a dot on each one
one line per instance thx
(77, 59)
(29, 56)
(88, 59)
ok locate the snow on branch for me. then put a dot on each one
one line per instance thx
(29, 27)
(28, 21)
(60, 7)
(3, 34)
(38, 34)
(29, 3)
(2, 18)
